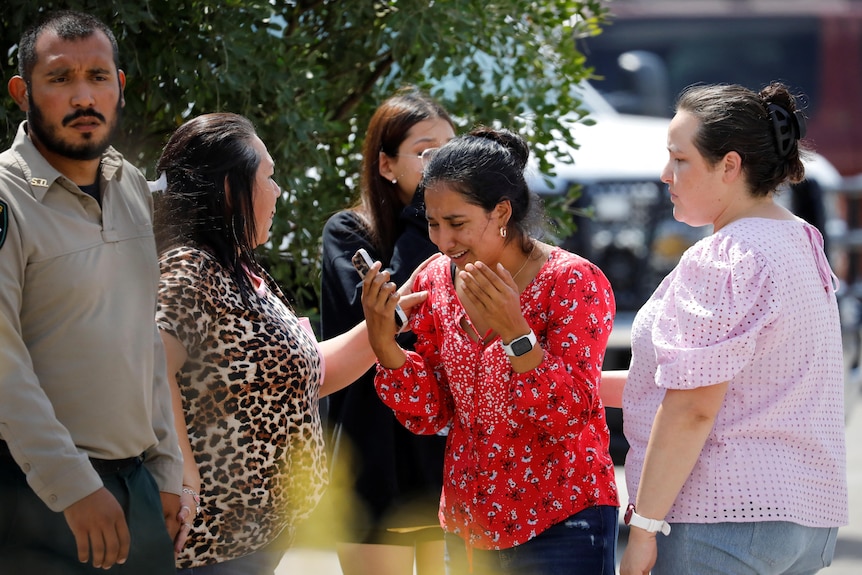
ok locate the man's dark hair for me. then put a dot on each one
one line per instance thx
(68, 25)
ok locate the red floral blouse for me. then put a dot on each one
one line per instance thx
(526, 450)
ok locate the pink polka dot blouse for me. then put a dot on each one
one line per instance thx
(528, 450)
(754, 305)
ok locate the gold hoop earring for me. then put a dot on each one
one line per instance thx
(503, 231)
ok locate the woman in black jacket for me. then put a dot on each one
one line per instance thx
(391, 477)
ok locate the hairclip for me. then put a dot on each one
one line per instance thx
(159, 185)
(788, 128)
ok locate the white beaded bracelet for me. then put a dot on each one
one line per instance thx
(195, 497)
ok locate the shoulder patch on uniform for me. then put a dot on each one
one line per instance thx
(4, 221)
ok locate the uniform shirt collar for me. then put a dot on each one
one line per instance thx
(40, 175)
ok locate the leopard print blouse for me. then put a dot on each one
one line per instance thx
(250, 394)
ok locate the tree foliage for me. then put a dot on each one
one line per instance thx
(309, 74)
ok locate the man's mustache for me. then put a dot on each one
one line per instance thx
(82, 114)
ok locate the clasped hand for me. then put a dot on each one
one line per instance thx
(492, 296)
(494, 300)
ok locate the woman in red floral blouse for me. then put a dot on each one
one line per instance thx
(509, 352)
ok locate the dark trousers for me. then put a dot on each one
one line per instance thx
(37, 541)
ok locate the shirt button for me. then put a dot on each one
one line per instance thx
(26, 468)
(52, 498)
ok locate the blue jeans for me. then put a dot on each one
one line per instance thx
(585, 543)
(762, 548)
(261, 562)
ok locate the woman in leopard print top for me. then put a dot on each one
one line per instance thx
(247, 372)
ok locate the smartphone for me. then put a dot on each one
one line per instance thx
(363, 262)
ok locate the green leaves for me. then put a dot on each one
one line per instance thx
(309, 74)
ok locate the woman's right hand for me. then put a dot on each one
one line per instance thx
(189, 504)
(379, 298)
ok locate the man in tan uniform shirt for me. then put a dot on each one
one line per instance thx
(90, 469)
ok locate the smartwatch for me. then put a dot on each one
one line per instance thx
(649, 525)
(520, 345)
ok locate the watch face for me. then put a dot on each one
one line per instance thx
(628, 516)
(521, 346)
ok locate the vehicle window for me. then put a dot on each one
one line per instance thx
(748, 51)
(631, 235)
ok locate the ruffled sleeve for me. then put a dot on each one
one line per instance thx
(706, 329)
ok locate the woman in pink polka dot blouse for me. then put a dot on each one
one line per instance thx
(510, 342)
(733, 404)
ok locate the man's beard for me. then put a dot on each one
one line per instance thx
(89, 149)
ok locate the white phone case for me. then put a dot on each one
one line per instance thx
(363, 262)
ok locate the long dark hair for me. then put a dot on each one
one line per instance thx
(734, 118)
(379, 201)
(210, 166)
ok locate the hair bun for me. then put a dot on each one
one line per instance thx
(513, 142)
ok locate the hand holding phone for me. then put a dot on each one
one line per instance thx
(363, 262)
